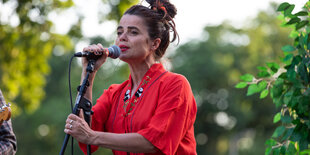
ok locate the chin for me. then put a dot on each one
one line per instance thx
(124, 58)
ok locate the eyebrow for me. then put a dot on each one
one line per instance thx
(129, 27)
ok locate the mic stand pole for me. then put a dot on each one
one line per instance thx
(83, 103)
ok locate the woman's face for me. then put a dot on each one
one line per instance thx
(133, 39)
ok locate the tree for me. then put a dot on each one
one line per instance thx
(26, 45)
(288, 86)
(27, 42)
(33, 71)
(227, 122)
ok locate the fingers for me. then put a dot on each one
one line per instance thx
(69, 126)
(100, 47)
(74, 120)
(97, 49)
(91, 48)
(78, 128)
(70, 123)
(68, 130)
(72, 117)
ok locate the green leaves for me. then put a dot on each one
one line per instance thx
(264, 94)
(247, 77)
(255, 88)
(273, 67)
(252, 89)
(287, 134)
(288, 48)
(293, 20)
(301, 13)
(25, 52)
(263, 72)
(290, 90)
(277, 118)
(301, 24)
(291, 148)
(305, 152)
(269, 143)
(241, 85)
(287, 9)
(286, 119)
(283, 6)
(278, 132)
(303, 73)
(259, 85)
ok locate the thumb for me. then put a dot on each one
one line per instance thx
(81, 114)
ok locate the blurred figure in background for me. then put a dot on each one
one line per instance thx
(8, 145)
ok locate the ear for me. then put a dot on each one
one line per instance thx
(155, 44)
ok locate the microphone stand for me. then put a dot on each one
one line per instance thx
(83, 103)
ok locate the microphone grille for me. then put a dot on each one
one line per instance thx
(114, 51)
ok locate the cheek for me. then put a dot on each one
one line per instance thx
(116, 42)
(144, 44)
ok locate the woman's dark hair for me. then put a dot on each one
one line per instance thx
(159, 21)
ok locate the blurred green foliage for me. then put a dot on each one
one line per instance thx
(33, 78)
(289, 86)
(119, 8)
(26, 45)
(227, 122)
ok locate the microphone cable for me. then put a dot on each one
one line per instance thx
(70, 93)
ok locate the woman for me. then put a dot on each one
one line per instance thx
(154, 110)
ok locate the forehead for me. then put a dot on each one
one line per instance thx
(132, 21)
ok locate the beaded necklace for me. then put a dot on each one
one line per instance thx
(129, 103)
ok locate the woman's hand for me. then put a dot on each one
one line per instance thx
(96, 49)
(77, 127)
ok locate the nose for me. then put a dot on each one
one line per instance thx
(123, 37)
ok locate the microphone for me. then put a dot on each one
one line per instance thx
(113, 52)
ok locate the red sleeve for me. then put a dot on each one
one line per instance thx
(101, 111)
(174, 116)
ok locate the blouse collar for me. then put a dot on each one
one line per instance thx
(155, 69)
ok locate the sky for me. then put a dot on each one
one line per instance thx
(192, 15)
(190, 20)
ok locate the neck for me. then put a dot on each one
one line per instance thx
(138, 71)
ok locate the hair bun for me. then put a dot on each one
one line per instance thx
(169, 8)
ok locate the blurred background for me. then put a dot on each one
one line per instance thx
(219, 41)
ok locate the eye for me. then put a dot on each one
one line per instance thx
(119, 33)
(134, 32)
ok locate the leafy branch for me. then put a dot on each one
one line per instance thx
(288, 86)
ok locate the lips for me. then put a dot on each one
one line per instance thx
(123, 48)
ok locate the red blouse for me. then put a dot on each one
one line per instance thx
(163, 111)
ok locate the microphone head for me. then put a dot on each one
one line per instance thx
(114, 51)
